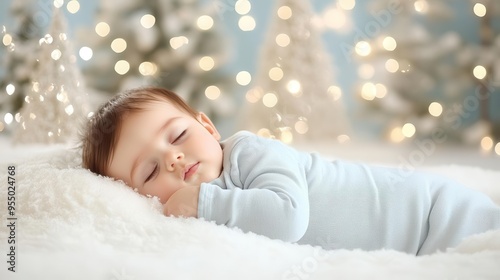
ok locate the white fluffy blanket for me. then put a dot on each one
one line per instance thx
(72, 224)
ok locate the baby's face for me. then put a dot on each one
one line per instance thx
(162, 149)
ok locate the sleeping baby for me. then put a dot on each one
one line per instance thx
(156, 144)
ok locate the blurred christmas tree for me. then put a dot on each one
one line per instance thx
(483, 61)
(419, 82)
(173, 44)
(57, 102)
(18, 60)
(294, 97)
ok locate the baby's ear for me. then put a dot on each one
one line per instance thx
(208, 125)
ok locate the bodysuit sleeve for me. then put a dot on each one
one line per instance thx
(266, 191)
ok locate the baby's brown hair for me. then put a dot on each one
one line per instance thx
(101, 132)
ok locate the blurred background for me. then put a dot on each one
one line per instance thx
(419, 74)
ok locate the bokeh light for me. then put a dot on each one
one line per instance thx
(480, 72)
(435, 109)
(363, 48)
(206, 63)
(73, 6)
(148, 21)
(122, 67)
(284, 12)
(212, 92)
(479, 9)
(205, 22)
(246, 23)
(119, 45)
(102, 29)
(243, 78)
(270, 100)
(86, 53)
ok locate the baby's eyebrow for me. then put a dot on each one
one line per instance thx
(137, 159)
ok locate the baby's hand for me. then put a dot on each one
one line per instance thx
(184, 202)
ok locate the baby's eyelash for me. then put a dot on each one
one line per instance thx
(180, 136)
(152, 174)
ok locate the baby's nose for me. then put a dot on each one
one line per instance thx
(172, 160)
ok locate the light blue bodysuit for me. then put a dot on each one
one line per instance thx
(271, 189)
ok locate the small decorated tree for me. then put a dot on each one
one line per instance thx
(18, 60)
(294, 97)
(57, 102)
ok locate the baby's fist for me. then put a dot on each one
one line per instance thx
(184, 202)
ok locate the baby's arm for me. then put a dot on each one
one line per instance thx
(183, 202)
(266, 192)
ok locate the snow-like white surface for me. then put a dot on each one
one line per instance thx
(76, 225)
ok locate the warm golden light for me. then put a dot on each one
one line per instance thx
(119, 45)
(253, 95)
(205, 22)
(212, 92)
(479, 9)
(480, 72)
(421, 6)
(389, 43)
(206, 63)
(282, 40)
(334, 18)
(242, 7)
(264, 132)
(147, 21)
(276, 74)
(243, 78)
(86, 53)
(301, 127)
(58, 3)
(380, 91)
(294, 87)
(486, 143)
(363, 48)
(147, 68)
(177, 42)
(56, 54)
(7, 39)
(246, 23)
(391, 65)
(286, 136)
(396, 135)
(69, 109)
(73, 6)
(343, 138)
(366, 71)
(347, 4)
(270, 100)
(284, 12)
(8, 118)
(335, 92)
(122, 67)
(435, 109)
(102, 29)
(10, 89)
(408, 130)
(368, 91)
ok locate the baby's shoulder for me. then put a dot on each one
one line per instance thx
(245, 140)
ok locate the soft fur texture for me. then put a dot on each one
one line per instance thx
(76, 225)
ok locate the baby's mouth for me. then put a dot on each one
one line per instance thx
(190, 170)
